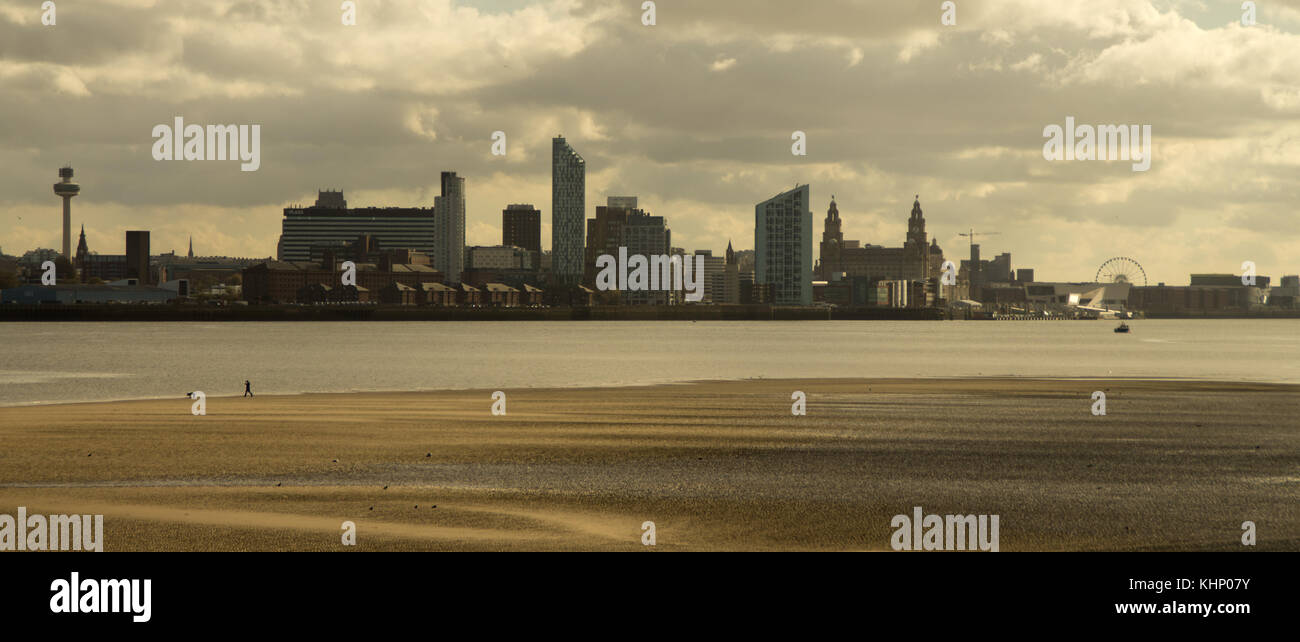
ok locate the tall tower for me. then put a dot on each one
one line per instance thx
(916, 247)
(568, 209)
(783, 246)
(832, 242)
(66, 189)
(191, 254)
(449, 223)
(916, 225)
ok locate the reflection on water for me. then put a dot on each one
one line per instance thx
(54, 362)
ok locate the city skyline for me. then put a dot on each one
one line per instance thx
(893, 104)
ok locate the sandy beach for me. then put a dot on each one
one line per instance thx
(1173, 465)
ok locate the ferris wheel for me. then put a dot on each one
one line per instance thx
(1122, 269)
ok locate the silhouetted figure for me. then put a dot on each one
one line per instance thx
(248, 389)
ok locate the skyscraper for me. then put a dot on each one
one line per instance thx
(647, 236)
(137, 256)
(521, 226)
(783, 247)
(568, 204)
(620, 224)
(449, 223)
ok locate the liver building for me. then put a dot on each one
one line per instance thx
(841, 259)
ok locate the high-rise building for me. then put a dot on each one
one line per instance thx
(568, 207)
(308, 231)
(620, 224)
(604, 236)
(647, 236)
(137, 256)
(66, 189)
(783, 247)
(449, 220)
(521, 226)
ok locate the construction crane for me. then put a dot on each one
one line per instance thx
(971, 235)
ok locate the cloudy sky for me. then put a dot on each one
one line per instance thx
(694, 115)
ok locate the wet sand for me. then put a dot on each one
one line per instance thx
(716, 466)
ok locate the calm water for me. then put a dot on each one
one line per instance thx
(59, 362)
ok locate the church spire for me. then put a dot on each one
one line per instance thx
(82, 250)
(191, 246)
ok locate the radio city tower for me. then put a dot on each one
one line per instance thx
(66, 189)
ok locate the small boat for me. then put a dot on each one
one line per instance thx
(1123, 327)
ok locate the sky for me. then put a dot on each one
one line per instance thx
(694, 115)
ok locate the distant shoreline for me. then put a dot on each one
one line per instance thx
(90, 312)
(1180, 384)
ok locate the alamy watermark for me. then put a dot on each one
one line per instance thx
(944, 533)
(217, 142)
(75, 595)
(51, 532)
(657, 272)
(1102, 142)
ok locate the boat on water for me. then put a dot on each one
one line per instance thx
(1123, 327)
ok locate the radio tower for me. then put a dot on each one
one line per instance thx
(66, 189)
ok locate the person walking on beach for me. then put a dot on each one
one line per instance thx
(248, 389)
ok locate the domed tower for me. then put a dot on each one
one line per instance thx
(935, 268)
(66, 189)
